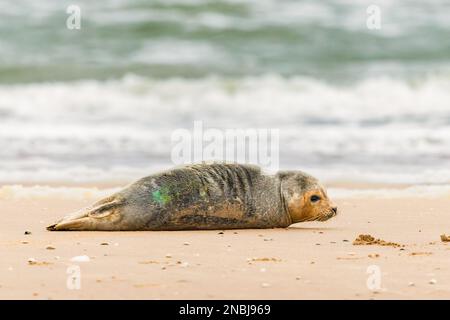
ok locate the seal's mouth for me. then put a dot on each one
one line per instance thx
(328, 215)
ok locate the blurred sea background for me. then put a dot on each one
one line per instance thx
(101, 103)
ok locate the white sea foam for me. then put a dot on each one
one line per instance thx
(92, 130)
(267, 98)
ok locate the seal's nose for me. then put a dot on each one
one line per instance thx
(334, 210)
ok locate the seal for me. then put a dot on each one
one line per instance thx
(207, 196)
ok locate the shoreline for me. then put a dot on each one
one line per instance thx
(338, 190)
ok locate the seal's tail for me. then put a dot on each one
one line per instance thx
(91, 218)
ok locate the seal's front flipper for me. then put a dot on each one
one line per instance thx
(101, 216)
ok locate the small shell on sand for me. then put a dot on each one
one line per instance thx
(80, 259)
(432, 281)
(50, 248)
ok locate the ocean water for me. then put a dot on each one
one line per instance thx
(101, 103)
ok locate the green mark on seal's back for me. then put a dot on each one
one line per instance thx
(161, 196)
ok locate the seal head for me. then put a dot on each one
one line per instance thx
(304, 198)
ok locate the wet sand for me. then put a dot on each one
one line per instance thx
(306, 261)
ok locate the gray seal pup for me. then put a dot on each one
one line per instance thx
(207, 196)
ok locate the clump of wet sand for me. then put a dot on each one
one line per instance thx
(445, 238)
(367, 239)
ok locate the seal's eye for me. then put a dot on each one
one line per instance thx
(315, 198)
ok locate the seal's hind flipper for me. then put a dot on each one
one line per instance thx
(89, 218)
(104, 209)
(52, 227)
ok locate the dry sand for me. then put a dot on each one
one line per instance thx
(305, 261)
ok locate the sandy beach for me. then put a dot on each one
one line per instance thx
(306, 261)
(98, 94)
